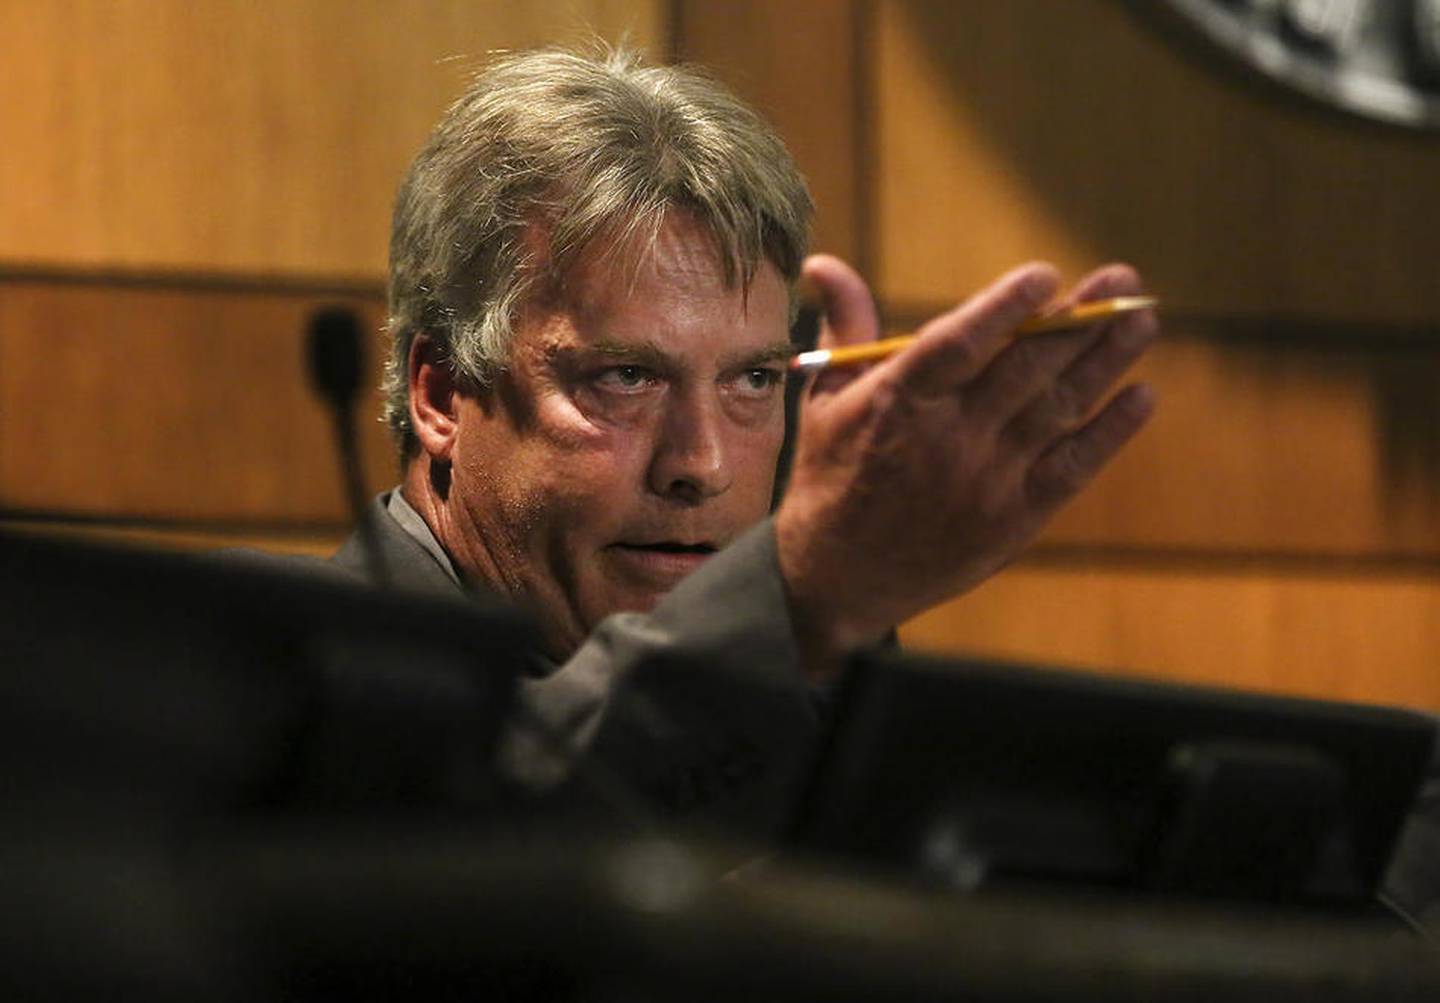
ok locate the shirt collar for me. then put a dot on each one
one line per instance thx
(410, 521)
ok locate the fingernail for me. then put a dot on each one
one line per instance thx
(1039, 286)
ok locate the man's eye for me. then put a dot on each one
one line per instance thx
(759, 380)
(624, 378)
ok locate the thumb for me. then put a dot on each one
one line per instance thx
(845, 301)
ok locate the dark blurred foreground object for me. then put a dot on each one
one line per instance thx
(975, 774)
(1412, 887)
(360, 912)
(146, 697)
(222, 782)
(143, 681)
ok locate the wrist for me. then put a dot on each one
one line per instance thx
(828, 623)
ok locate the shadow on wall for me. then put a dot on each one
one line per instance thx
(1255, 218)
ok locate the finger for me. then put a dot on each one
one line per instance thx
(954, 347)
(847, 307)
(1072, 462)
(848, 316)
(1104, 282)
(1084, 383)
(1027, 374)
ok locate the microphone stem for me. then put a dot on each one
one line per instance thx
(347, 443)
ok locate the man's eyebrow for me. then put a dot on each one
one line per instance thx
(643, 352)
(652, 355)
(771, 353)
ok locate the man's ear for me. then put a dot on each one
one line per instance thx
(434, 398)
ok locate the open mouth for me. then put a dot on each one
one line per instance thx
(668, 547)
(660, 564)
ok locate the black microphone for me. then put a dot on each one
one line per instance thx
(335, 352)
(336, 356)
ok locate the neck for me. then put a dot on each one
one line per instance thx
(426, 486)
(431, 500)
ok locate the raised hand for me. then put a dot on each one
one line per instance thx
(918, 478)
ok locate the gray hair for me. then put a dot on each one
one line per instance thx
(551, 152)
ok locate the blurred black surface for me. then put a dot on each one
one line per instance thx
(969, 773)
(177, 687)
(223, 781)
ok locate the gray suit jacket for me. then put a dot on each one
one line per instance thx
(696, 709)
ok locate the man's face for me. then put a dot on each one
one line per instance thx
(634, 433)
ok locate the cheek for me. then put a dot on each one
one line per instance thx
(524, 470)
(612, 410)
(569, 426)
(578, 473)
(588, 453)
(756, 452)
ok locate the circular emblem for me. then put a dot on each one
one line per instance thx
(1376, 58)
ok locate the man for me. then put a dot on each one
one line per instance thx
(593, 269)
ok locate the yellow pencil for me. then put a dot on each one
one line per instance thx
(1076, 316)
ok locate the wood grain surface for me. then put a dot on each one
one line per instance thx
(1329, 633)
(171, 403)
(800, 64)
(1070, 131)
(235, 136)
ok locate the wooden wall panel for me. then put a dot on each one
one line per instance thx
(1274, 447)
(1269, 448)
(799, 64)
(1279, 524)
(1335, 634)
(170, 404)
(1029, 128)
(239, 136)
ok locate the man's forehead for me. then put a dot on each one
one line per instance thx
(675, 280)
(680, 254)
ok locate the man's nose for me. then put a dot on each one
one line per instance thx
(691, 460)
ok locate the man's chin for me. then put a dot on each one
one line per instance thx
(626, 597)
(630, 585)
